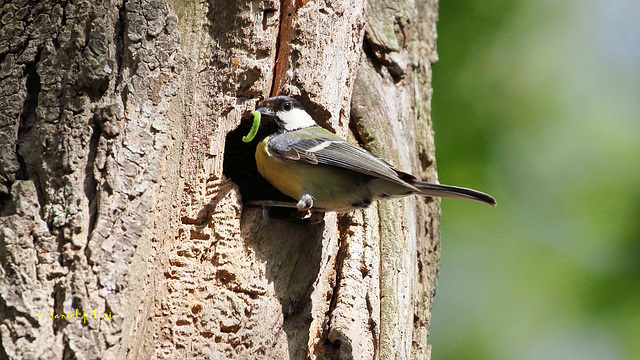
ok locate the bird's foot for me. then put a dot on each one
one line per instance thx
(305, 203)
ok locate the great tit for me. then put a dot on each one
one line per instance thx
(323, 173)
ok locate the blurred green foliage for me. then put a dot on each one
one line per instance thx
(538, 104)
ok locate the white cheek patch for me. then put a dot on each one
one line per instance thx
(295, 119)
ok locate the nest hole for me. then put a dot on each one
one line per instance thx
(239, 165)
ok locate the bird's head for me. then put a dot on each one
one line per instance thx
(287, 112)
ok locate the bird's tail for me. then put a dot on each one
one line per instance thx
(453, 192)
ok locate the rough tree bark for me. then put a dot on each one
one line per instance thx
(121, 180)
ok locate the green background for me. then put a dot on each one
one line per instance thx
(537, 102)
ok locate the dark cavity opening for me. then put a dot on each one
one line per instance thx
(240, 165)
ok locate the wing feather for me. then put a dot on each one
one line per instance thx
(326, 148)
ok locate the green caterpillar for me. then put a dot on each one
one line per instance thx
(254, 127)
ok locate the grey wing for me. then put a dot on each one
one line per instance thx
(331, 150)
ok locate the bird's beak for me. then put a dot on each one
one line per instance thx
(266, 111)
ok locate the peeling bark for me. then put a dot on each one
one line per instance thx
(116, 195)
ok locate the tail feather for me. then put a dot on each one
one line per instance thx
(453, 192)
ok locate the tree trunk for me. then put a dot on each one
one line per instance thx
(121, 180)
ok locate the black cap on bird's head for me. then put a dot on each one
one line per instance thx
(288, 112)
(270, 106)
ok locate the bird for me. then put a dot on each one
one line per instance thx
(323, 173)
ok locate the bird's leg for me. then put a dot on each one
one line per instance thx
(272, 203)
(265, 215)
(268, 204)
(305, 203)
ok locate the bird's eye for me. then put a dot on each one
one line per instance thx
(286, 106)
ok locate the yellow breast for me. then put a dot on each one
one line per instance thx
(282, 175)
